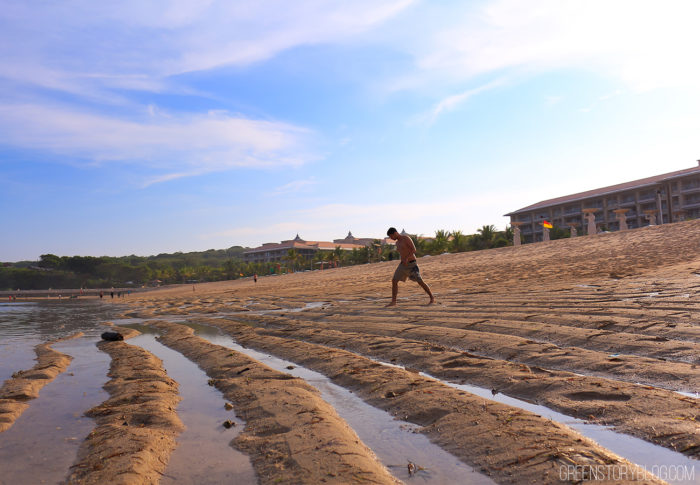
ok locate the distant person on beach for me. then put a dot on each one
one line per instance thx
(102, 293)
(255, 278)
(408, 267)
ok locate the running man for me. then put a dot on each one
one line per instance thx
(408, 267)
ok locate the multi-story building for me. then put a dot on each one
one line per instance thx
(669, 197)
(271, 252)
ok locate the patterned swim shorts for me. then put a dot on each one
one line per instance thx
(409, 270)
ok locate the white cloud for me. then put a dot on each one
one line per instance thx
(452, 102)
(644, 43)
(294, 187)
(135, 44)
(182, 145)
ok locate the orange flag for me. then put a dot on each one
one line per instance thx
(546, 224)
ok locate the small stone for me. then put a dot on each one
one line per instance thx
(210, 382)
(390, 394)
(229, 424)
(290, 367)
(228, 406)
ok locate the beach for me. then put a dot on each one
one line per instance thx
(555, 362)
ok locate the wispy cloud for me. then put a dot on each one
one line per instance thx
(138, 44)
(450, 103)
(294, 187)
(641, 42)
(178, 144)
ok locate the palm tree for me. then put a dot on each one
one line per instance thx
(292, 258)
(420, 244)
(440, 242)
(459, 242)
(485, 236)
(338, 254)
(319, 257)
(332, 259)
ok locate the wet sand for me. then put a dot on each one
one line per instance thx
(25, 385)
(601, 328)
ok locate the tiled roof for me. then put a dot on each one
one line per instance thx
(635, 184)
(279, 246)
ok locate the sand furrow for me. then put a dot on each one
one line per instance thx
(509, 444)
(25, 385)
(136, 427)
(656, 415)
(291, 434)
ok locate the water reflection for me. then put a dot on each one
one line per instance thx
(23, 325)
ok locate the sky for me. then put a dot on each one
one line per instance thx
(151, 126)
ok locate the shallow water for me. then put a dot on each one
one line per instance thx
(203, 454)
(24, 325)
(651, 457)
(394, 442)
(42, 444)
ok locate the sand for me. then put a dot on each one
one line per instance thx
(25, 385)
(136, 427)
(603, 328)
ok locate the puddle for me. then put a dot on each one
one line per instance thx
(647, 455)
(23, 325)
(203, 455)
(394, 442)
(43, 443)
(15, 356)
(307, 306)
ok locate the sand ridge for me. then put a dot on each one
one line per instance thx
(291, 434)
(25, 385)
(136, 427)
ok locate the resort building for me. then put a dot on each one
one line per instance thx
(669, 197)
(270, 252)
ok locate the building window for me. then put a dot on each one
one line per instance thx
(647, 194)
(691, 184)
(691, 199)
(627, 198)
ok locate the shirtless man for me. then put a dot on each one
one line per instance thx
(408, 267)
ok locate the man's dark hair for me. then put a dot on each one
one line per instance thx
(391, 231)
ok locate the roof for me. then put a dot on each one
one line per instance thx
(635, 184)
(279, 246)
(293, 244)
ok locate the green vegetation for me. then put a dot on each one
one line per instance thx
(53, 271)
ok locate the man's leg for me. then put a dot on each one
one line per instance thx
(427, 290)
(394, 292)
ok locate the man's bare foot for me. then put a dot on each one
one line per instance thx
(393, 303)
(432, 300)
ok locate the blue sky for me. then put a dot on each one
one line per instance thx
(141, 127)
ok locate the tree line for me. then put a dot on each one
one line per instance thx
(52, 271)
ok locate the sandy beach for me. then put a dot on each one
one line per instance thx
(602, 329)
